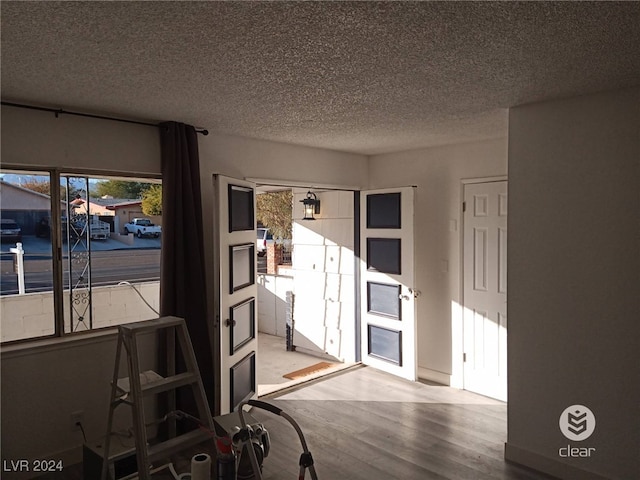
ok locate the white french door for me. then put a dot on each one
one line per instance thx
(388, 295)
(236, 290)
(485, 289)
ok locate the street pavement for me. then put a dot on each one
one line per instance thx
(111, 262)
(42, 246)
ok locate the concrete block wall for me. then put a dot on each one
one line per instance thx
(273, 304)
(31, 315)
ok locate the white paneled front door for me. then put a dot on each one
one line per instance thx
(388, 292)
(236, 289)
(485, 289)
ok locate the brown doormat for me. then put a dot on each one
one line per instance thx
(309, 370)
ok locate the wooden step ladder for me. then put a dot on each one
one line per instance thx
(132, 390)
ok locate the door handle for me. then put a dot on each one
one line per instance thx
(230, 323)
(412, 291)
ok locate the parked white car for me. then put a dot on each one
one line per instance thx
(261, 242)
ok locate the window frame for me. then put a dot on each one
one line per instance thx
(55, 175)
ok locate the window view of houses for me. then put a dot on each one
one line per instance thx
(110, 241)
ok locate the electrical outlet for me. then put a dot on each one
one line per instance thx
(77, 418)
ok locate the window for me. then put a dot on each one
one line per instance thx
(26, 295)
(108, 234)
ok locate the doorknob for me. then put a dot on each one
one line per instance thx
(230, 323)
(412, 291)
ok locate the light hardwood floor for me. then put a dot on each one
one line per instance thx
(363, 424)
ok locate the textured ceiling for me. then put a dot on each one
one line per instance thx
(366, 77)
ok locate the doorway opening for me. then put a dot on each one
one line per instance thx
(306, 289)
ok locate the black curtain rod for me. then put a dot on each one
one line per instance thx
(59, 111)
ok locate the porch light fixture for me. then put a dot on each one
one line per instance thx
(311, 205)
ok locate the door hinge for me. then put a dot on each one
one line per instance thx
(464, 358)
(464, 207)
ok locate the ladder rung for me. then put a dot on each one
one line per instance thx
(147, 377)
(177, 444)
(148, 325)
(160, 384)
(170, 383)
(120, 401)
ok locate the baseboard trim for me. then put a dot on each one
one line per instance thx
(550, 466)
(434, 376)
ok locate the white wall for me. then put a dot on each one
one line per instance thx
(574, 265)
(39, 138)
(243, 157)
(437, 173)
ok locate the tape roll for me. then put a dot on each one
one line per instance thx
(201, 467)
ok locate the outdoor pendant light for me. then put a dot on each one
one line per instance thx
(311, 205)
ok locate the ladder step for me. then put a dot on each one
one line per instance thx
(150, 325)
(170, 383)
(177, 444)
(160, 384)
(146, 377)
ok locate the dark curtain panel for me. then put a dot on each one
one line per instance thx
(182, 279)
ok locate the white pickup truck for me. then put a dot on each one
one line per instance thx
(142, 227)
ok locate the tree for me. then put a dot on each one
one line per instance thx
(120, 189)
(274, 211)
(40, 186)
(44, 186)
(152, 200)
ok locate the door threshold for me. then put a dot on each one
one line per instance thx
(269, 391)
